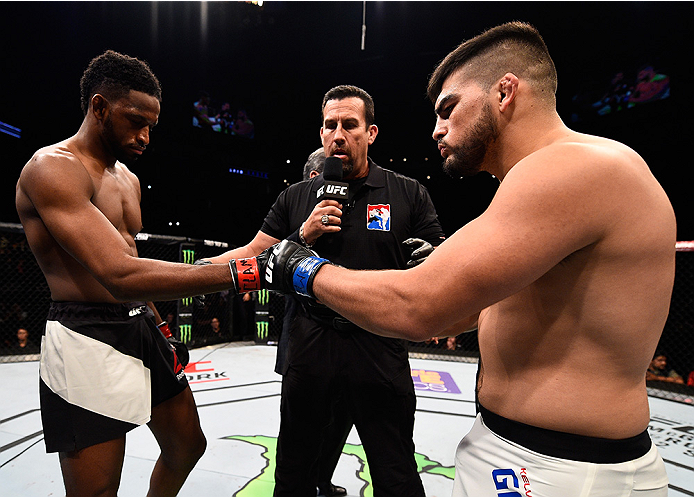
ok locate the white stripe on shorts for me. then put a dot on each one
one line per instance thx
(93, 375)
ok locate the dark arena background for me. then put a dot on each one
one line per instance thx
(622, 67)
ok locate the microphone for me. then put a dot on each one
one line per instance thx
(333, 188)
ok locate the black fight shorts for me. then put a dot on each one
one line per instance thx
(103, 367)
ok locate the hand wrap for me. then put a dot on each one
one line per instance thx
(247, 274)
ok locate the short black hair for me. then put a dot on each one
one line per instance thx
(515, 47)
(113, 75)
(346, 91)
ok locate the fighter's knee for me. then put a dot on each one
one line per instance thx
(199, 447)
(184, 454)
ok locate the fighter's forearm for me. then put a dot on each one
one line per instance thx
(154, 280)
(386, 303)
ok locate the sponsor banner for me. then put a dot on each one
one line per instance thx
(435, 381)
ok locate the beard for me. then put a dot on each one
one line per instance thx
(347, 167)
(114, 144)
(347, 164)
(465, 159)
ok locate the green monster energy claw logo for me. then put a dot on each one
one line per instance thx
(188, 256)
(263, 297)
(186, 332)
(262, 329)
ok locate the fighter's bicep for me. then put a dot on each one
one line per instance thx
(527, 230)
(61, 195)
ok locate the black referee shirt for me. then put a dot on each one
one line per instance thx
(383, 210)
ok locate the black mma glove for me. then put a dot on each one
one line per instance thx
(291, 268)
(421, 249)
(179, 347)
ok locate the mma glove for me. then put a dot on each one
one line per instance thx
(248, 275)
(179, 347)
(421, 249)
(291, 268)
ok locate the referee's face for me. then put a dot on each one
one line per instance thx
(345, 135)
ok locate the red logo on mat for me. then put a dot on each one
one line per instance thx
(198, 373)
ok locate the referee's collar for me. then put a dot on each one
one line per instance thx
(376, 177)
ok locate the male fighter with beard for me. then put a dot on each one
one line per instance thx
(571, 264)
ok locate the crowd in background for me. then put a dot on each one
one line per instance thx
(223, 119)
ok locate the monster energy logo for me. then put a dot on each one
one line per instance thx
(262, 327)
(186, 332)
(188, 256)
(263, 297)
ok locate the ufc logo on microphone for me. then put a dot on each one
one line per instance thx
(336, 190)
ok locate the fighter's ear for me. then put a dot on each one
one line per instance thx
(507, 88)
(99, 106)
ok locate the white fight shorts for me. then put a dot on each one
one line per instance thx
(103, 367)
(489, 465)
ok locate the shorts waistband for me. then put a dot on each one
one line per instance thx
(568, 445)
(96, 310)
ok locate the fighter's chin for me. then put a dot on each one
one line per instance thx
(127, 158)
(456, 168)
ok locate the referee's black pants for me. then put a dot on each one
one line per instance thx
(373, 377)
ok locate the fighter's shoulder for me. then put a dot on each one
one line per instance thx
(52, 165)
(587, 173)
(58, 154)
(587, 153)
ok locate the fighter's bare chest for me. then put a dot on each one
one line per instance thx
(119, 200)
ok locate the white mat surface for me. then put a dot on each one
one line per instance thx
(238, 397)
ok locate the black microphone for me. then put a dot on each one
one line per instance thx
(333, 188)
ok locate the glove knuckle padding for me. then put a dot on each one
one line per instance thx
(291, 268)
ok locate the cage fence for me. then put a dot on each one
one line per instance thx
(224, 317)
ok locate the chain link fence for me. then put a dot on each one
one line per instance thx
(223, 317)
(25, 298)
(677, 340)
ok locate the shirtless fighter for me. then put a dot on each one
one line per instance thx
(105, 368)
(572, 264)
